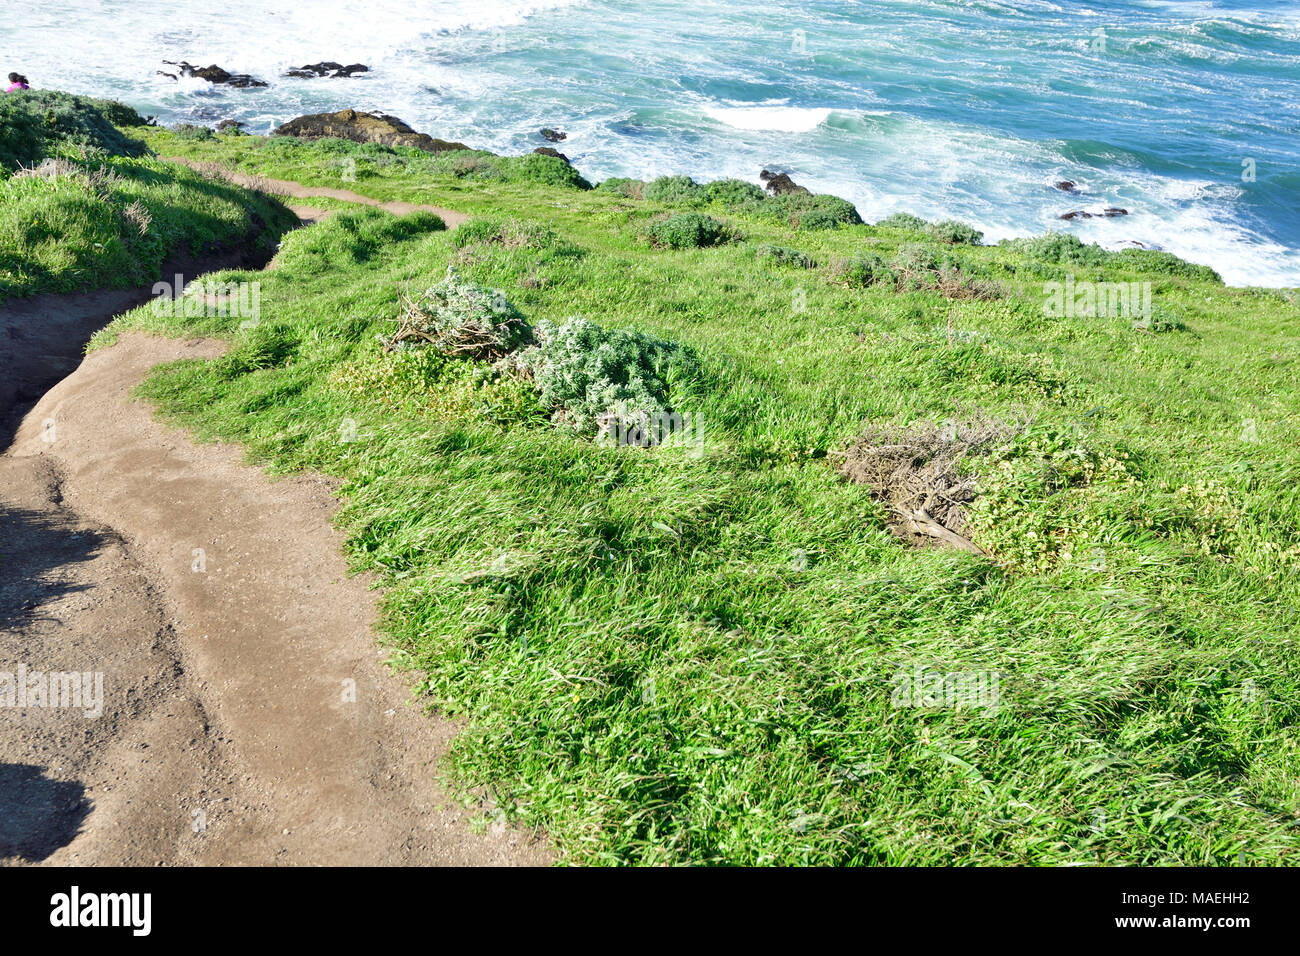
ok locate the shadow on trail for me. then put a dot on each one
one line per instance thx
(38, 815)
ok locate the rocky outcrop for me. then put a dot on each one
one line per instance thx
(1067, 186)
(1108, 213)
(548, 151)
(552, 135)
(363, 128)
(311, 71)
(214, 74)
(780, 184)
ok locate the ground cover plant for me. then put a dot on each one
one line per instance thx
(721, 653)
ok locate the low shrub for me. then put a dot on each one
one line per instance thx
(865, 270)
(675, 191)
(1060, 248)
(631, 188)
(914, 259)
(1166, 263)
(904, 220)
(460, 319)
(589, 376)
(734, 193)
(953, 232)
(785, 257)
(689, 231)
(547, 170)
(823, 211)
(191, 131)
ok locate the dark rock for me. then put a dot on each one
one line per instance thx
(780, 184)
(1067, 186)
(216, 75)
(553, 135)
(233, 125)
(310, 71)
(548, 151)
(1108, 213)
(363, 128)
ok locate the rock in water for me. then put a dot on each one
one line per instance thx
(1109, 212)
(329, 68)
(1067, 186)
(215, 74)
(780, 184)
(553, 135)
(363, 128)
(549, 151)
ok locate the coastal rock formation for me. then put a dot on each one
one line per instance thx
(214, 74)
(327, 68)
(780, 184)
(548, 151)
(363, 128)
(1067, 186)
(1109, 212)
(232, 124)
(553, 135)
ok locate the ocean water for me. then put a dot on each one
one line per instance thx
(1185, 113)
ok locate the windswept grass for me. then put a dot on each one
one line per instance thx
(666, 657)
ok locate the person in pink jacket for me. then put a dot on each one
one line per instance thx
(17, 82)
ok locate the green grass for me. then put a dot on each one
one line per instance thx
(671, 658)
(101, 213)
(35, 124)
(110, 223)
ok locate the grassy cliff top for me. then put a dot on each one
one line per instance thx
(718, 650)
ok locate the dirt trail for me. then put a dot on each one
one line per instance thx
(42, 338)
(309, 214)
(247, 716)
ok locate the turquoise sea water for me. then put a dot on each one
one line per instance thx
(1185, 113)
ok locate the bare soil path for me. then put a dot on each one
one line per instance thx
(293, 190)
(247, 715)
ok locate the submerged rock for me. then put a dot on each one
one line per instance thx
(363, 128)
(780, 184)
(1067, 186)
(1109, 212)
(553, 135)
(214, 74)
(328, 68)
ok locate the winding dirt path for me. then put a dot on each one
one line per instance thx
(289, 188)
(247, 715)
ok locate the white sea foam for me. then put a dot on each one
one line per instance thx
(672, 86)
(781, 119)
